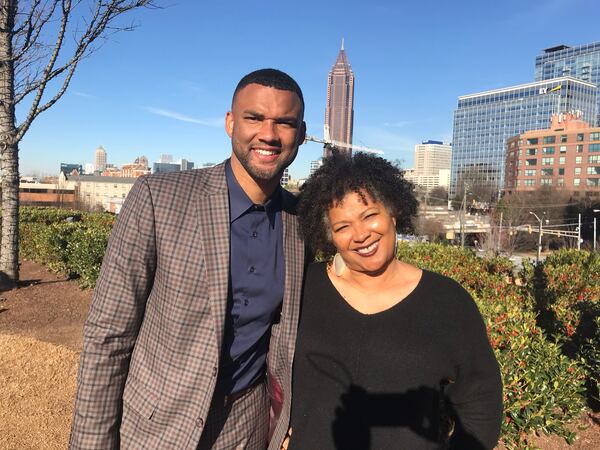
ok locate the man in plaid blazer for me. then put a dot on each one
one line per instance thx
(161, 366)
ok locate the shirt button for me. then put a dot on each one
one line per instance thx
(200, 422)
(251, 269)
(254, 234)
(215, 370)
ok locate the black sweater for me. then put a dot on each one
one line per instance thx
(389, 380)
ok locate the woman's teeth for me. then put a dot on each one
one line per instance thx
(368, 249)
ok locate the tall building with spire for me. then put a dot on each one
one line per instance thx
(339, 114)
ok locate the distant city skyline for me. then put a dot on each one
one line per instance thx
(150, 92)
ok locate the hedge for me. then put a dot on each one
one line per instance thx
(72, 242)
(543, 388)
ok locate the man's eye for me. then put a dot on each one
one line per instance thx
(252, 118)
(343, 227)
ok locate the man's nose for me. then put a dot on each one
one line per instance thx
(268, 131)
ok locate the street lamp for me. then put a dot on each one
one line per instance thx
(539, 249)
(595, 211)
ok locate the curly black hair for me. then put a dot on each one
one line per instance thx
(340, 175)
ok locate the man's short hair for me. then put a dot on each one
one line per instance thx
(270, 78)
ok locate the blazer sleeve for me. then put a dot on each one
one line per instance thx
(113, 322)
(475, 396)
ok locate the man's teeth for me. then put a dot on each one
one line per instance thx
(368, 249)
(264, 152)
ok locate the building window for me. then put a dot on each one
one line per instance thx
(595, 136)
(561, 171)
(548, 150)
(528, 182)
(531, 162)
(593, 170)
(547, 161)
(580, 137)
(546, 181)
(531, 151)
(576, 181)
(593, 182)
(530, 172)
(579, 148)
(594, 159)
(549, 139)
(532, 141)
(547, 172)
(594, 148)
(563, 149)
(561, 182)
(577, 170)
(563, 138)
(578, 160)
(562, 160)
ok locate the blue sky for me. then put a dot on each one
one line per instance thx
(165, 87)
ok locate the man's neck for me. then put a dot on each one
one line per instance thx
(258, 191)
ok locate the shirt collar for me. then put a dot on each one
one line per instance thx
(239, 203)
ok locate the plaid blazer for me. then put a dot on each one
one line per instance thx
(152, 339)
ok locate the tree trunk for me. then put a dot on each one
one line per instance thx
(9, 242)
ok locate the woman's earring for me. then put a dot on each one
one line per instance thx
(338, 265)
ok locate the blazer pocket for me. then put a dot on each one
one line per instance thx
(140, 399)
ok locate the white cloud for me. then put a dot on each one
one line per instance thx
(399, 124)
(83, 94)
(184, 118)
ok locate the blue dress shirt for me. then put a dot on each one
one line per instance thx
(256, 282)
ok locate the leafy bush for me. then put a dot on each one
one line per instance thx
(570, 289)
(67, 241)
(543, 389)
(84, 253)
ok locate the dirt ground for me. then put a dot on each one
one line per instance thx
(40, 340)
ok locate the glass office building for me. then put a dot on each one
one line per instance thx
(582, 62)
(484, 121)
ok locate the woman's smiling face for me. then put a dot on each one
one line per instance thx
(364, 232)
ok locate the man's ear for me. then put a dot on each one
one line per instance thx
(302, 133)
(229, 123)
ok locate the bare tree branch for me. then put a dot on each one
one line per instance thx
(98, 25)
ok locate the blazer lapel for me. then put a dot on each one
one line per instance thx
(294, 270)
(213, 220)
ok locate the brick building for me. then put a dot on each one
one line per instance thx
(565, 156)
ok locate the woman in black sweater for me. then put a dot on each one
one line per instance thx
(388, 356)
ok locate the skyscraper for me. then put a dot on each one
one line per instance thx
(432, 156)
(582, 62)
(100, 159)
(432, 165)
(484, 121)
(339, 114)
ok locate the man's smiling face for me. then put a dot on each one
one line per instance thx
(266, 127)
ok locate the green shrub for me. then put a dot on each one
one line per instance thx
(84, 253)
(543, 389)
(67, 241)
(571, 290)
